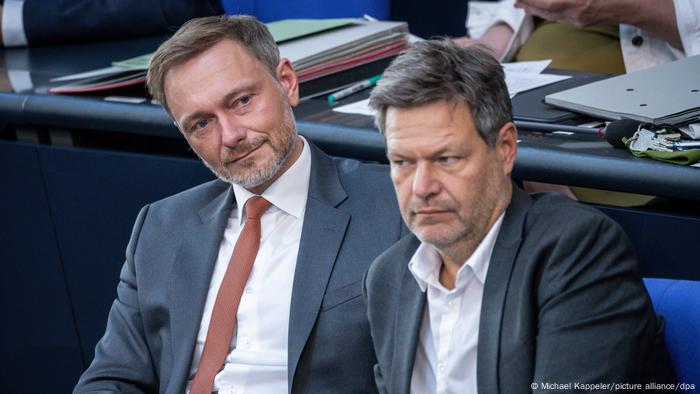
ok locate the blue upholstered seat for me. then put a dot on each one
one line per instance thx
(272, 10)
(678, 301)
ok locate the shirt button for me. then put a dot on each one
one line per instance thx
(441, 367)
(248, 290)
(637, 41)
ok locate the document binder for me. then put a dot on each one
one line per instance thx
(666, 94)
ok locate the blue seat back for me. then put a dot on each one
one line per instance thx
(678, 301)
(272, 10)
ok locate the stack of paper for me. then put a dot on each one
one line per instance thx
(332, 51)
(316, 47)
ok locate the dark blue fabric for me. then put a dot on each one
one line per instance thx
(67, 21)
(39, 344)
(678, 301)
(272, 10)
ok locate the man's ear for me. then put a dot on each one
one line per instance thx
(288, 79)
(507, 146)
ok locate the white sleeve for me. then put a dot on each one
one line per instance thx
(688, 21)
(13, 24)
(484, 14)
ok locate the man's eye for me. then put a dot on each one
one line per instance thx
(446, 159)
(245, 100)
(200, 124)
(398, 163)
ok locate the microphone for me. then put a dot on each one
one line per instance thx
(618, 129)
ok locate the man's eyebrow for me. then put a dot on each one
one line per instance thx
(243, 88)
(436, 151)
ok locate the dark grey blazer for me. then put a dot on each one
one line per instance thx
(563, 302)
(351, 217)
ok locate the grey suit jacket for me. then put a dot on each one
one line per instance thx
(351, 217)
(563, 303)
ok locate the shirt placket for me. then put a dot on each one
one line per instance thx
(450, 315)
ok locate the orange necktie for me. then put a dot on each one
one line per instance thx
(223, 317)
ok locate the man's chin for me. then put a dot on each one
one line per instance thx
(436, 235)
(251, 178)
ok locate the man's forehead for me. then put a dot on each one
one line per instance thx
(226, 63)
(438, 114)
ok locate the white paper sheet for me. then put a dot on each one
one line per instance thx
(532, 67)
(519, 82)
(359, 107)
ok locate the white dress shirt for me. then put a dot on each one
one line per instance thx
(257, 362)
(13, 24)
(445, 359)
(650, 50)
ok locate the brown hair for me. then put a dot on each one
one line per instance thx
(200, 34)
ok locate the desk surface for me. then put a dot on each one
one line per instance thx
(579, 160)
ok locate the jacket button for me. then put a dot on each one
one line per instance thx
(637, 41)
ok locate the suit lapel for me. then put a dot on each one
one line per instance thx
(408, 322)
(321, 238)
(190, 278)
(497, 282)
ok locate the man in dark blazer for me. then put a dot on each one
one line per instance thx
(223, 82)
(38, 22)
(496, 291)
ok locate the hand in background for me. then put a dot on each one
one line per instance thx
(655, 16)
(580, 13)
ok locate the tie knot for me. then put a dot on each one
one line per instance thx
(256, 206)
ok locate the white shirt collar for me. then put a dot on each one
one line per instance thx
(426, 262)
(289, 192)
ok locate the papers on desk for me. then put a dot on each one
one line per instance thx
(316, 48)
(520, 76)
(358, 107)
(524, 76)
(530, 67)
(319, 55)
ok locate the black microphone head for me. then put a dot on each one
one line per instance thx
(618, 129)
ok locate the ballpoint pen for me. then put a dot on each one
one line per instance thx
(339, 95)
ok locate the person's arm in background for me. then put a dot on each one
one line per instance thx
(499, 26)
(675, 21)
(658, 17)
(496, 38)
(53, 22)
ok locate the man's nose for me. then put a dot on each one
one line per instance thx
(232, 132)
(425, 181)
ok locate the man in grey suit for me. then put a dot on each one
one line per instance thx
(496, 291)
(301, 324)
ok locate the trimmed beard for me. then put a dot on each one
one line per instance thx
(262, 175)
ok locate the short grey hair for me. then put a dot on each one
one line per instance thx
(436, 70)
(200, 34)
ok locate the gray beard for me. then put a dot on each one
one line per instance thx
(261, 176)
